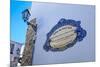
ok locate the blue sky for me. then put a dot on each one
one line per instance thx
(17, 25)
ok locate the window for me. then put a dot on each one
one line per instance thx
(18, 51)
(11, 48)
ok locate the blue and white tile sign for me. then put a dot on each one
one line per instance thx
(64, 35)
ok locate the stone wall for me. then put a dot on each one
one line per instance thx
(29, 44)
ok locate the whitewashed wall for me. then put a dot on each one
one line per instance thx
(12, 56)
(48, 15)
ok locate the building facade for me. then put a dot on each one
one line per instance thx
(49, 20)
(15, 48)
(54, 19)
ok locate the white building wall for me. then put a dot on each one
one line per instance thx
(48, 15)
(16, 54)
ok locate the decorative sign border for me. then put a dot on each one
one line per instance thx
(81, 33)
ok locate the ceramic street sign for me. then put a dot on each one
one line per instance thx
(64, 35)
